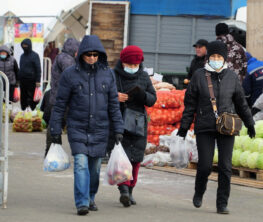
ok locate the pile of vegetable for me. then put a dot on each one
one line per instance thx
(166, 114)
(248, 152)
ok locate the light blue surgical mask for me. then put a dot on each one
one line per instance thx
(131, 70)
(216, 64)
(3, 56)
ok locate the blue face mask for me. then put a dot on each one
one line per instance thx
(131, 70)
(216, 64)
(3, 56)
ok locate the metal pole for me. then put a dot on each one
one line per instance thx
(5, 176)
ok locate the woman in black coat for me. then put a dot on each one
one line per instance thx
(135, 91)
(229, 98)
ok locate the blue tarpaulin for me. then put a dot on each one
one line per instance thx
(218, 8)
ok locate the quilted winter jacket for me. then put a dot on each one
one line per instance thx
(89, 92)
(229, 96)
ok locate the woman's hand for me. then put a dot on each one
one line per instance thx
(123, 97)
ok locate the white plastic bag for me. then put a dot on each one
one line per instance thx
(119, 168)
(179, 152)
(57, 159)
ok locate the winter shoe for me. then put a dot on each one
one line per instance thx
(93, 206)
(133, 202)
(197, 200)
(125, 196)
(222, 210)
(83, 210)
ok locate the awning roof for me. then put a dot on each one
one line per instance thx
(75, 20)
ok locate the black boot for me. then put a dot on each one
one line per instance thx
(133, 202)
(222, 210)
(197, 200)
(125, 196)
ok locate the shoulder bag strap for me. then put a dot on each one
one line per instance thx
(211, 92)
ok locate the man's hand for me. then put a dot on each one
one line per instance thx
(123, 97)
(56, 139)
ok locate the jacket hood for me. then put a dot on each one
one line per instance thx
(71, 46)
(92, 43)
(253, 65)
(27, 42)
(5, 49)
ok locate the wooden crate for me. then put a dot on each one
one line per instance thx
(237, 171)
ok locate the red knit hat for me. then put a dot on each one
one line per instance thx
(132, 54)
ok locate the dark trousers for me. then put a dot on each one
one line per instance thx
(27, 88)
(206, 147)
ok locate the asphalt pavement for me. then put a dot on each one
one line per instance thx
(36, 196)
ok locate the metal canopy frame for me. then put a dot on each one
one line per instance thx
(4, 142)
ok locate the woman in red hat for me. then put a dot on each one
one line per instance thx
(135, 91)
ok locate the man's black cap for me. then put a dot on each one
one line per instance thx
(201, 42)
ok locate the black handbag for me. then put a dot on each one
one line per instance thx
(226, 123)
(134, 121)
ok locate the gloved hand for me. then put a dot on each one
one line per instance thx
(251, 131)
(254, 111)
(118, 138)
(56, 139)
(182, 132)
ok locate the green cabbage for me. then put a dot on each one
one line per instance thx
(237, 144)
(257, 145)
(243, 158)
(252, 160)
(215, 159)
(260, 161)
(236, 157)
(243, 131)
(246, 143)
(259, 129)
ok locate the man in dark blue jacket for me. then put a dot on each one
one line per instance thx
(29, 74)
(89, 91)
(253, 83)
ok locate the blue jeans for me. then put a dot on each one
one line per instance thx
(86, 179)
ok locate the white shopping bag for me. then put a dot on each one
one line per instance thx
(57, 159)
(179, 152)
(119, 168)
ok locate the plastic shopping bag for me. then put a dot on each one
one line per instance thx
(57, 159)
(16, 96)
(179, 152)
(37, 95)
(119, 168)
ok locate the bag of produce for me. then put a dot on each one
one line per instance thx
(37, 122)
(23, 122)
(119, 168)
(57, 159)
(37, 95)
(179, 152)
(16, 96)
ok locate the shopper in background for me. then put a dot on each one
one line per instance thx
(253, 83)
(229, 98)
(135, 92)
(8, 65)
(199, 59)
(236, 58)
(63, 61)
(29, 74)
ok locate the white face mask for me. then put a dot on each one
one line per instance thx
(131, 70)
(216, 64)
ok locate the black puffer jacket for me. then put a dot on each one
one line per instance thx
(230, 98)
(197, 63)
(30, 67)
(133, 145)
